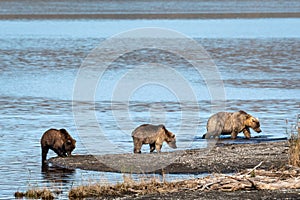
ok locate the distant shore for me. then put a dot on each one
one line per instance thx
(147, 9)
(149, 16)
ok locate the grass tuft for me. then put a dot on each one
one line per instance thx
(127, 187)
(35, 194)
(294, 143)
(294, 150)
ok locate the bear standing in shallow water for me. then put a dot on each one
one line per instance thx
(152, 135)
(227, 123)
(59, 141)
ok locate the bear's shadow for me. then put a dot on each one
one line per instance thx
(226, 139)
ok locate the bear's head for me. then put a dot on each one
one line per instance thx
(253, 123)
(69, 145)
(170, 138)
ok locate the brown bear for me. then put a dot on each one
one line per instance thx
(154, 136)
(60, 141)
(227, 123)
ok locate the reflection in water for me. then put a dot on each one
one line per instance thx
(57, 175)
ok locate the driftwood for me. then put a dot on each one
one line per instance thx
(251, 179)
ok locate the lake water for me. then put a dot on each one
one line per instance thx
(257, 60)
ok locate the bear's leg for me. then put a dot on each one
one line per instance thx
(63, 152)
(44, 154)
(158, 147)
(234, 134)
(137, 150)
(137, 146)
(59, 152)
(211, 135)
(247, 133)
(152, 147)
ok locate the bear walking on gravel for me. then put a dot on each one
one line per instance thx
(154, 135)
(60, 141)
(227, 123)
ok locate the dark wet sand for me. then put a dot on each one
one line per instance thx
(226, 158)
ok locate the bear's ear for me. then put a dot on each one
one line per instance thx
(63, 130)
(248, 116)
(168, 133)
(243, 112)
(163, 127)
(255, 119)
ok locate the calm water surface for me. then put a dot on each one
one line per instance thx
(258, 61)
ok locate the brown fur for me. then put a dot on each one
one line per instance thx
(226, 123)
(60, 141)
(152, 135)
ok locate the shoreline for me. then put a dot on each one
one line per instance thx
(259, 171)
(133, 16)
